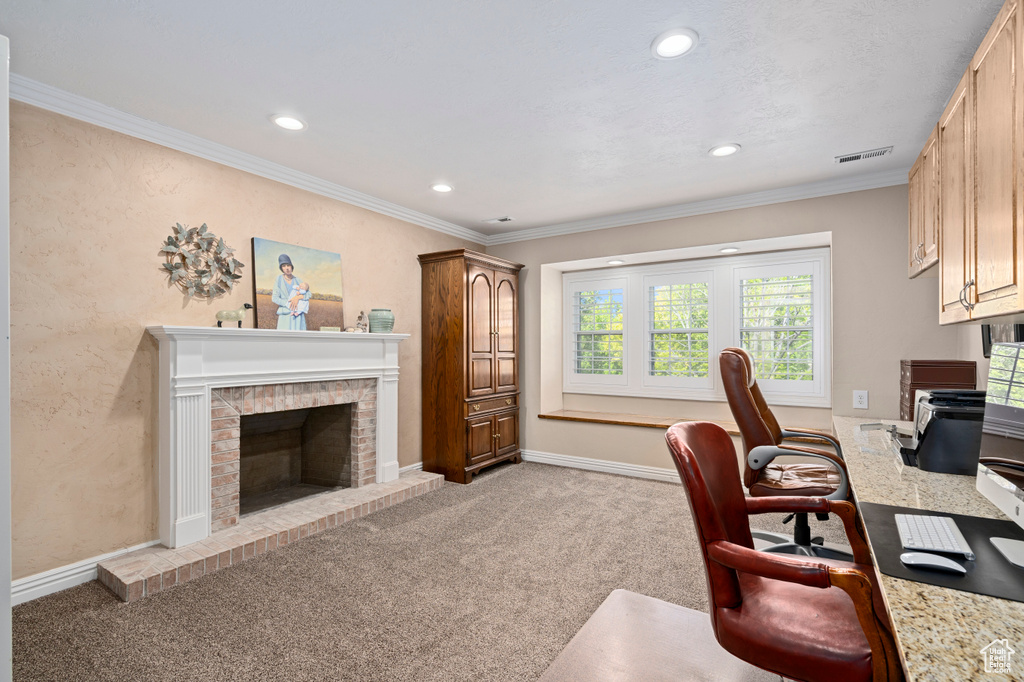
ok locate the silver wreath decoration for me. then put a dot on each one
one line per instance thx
(200, 263)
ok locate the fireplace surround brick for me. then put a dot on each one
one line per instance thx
(228, 405)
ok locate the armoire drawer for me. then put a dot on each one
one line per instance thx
(504, 402)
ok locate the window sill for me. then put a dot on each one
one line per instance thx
(640, 420)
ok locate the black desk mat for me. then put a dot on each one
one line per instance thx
(990, 573)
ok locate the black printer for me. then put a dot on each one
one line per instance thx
(947, 432)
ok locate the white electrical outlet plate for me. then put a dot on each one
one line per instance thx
(860, 400)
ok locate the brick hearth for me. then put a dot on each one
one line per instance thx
(145, 572)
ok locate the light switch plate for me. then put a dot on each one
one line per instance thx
(860, 400)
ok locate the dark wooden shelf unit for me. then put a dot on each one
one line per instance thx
(470, 362)
(927, 374)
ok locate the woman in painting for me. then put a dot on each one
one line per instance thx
(291, 296)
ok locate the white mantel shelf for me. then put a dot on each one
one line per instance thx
(195, 360)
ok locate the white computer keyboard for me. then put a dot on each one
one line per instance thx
(930, 533)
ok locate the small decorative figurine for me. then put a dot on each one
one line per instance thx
(233, 315)
(362, 324)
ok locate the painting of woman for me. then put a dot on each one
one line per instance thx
(297, 288)
(291, 296)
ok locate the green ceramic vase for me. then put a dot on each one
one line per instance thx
(382, 321)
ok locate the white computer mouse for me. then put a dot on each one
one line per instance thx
(931, 561)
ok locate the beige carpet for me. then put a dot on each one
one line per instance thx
(481, 582)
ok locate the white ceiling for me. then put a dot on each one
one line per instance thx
(550, 112)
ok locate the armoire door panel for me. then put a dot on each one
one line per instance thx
(506, 373)
(481, 376)
(996, 147)
(480, 312)
(481, 439)
(507, 429)
(505, 323)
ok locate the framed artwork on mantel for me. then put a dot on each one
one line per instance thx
(297, 288)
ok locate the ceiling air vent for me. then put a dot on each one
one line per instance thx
(498, 221)
(860, 156)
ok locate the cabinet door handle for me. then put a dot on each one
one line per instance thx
(961, 297)
(476, 408)
(970, 306)
(508, 401)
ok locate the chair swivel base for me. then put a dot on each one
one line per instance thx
(800, 543)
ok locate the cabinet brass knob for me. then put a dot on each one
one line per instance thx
(476, 408)
(508, 401)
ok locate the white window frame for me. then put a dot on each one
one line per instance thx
(801, 266)
(582, 382)
(724, 276)
(661, 383)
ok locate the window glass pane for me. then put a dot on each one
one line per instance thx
(776, 326)
(597, 322)
(678, 322)
(1006, 384)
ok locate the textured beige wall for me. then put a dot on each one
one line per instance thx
(89, 210)
(878, 315)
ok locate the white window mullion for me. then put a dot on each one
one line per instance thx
(635, 330)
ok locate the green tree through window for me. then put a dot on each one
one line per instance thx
(776, 326)
(598, 325)
(678, 343)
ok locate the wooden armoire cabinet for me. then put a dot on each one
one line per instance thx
(470, 362)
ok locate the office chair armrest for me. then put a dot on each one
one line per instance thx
(816, 435)
(791, 569)
(762, 455)
(884, 659)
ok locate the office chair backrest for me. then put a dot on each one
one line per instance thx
(754, 418)
(716, 499)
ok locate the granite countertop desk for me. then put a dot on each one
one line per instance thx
(940, 631)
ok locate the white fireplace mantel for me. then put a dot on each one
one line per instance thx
(194, 360)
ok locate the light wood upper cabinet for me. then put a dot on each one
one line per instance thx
(995, 262)
(955, 186)
(924, 208)
(980, 181)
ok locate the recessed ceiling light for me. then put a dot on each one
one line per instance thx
(725, 149)
(441, 187)
(288, 122)
(728, 249)
(674, 43)
(616, 262)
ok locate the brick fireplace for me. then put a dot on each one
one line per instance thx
(212, 378)
(321, 434)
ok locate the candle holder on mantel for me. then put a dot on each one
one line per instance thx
(382, 321)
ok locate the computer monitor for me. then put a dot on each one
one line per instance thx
(1001, 462)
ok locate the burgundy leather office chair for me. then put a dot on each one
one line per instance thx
(763, 442)
(805, 618)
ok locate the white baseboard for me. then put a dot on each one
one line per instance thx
(57, 579)
(418, 466)
(635, 470)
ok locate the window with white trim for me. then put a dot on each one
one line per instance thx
(656, 330)
(598, 322)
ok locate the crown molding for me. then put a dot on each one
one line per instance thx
(59, 101)
(53, 99)
(773, 196)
